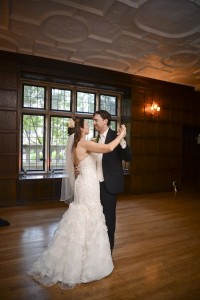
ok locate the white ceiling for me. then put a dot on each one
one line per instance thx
(153, 38)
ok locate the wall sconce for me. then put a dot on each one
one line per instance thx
(155, 109)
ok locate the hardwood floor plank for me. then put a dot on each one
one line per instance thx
(156, 256)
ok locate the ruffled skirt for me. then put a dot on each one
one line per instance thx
(78, 252)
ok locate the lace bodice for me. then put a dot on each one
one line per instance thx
(87, 185)
(88, 164)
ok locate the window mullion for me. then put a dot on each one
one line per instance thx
(73, 101)
(47, 131)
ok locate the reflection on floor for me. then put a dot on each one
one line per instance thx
(156, 255)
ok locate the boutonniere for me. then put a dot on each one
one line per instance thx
(95, 139)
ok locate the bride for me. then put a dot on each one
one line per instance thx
(79, 250)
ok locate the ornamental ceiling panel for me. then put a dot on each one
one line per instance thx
(157, 39)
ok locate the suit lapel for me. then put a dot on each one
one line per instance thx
(108, 136)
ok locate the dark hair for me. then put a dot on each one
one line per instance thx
(104, 114)
(79, 123)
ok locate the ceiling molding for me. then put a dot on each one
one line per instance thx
(157, 39)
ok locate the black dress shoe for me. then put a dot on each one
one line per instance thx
(4, 223)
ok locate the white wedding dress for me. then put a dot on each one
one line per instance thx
(79, 250)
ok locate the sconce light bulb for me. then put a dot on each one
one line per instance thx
(155, 109)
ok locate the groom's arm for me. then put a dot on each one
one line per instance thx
(125, 153)
(123, 149)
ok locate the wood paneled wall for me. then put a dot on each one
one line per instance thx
(8, 135)
(156, 143)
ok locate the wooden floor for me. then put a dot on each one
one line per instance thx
(156, 257)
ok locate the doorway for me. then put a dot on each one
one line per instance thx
(190, 154)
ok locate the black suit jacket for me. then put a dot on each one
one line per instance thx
(112, 165)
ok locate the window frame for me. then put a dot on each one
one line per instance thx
(48, 112)
(44, 143)
(60, 110)
(32, 108)
(76, 105)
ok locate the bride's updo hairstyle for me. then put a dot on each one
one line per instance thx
(76, 129)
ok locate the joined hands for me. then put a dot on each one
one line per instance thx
(122, 131)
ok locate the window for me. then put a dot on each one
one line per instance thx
(58, 138)
(33, 140)
(45, 113)
(109, 103)
(61, 99)
(33, 96)
(85, 102)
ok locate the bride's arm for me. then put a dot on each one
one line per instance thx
(104, 148)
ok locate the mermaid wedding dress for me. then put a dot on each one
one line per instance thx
(79, 250)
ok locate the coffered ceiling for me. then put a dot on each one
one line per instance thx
(152, 38)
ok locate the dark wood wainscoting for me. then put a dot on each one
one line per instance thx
(31, 190)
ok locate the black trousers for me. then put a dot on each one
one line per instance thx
(108, 202)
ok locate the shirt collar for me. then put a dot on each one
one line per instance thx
(103, 135)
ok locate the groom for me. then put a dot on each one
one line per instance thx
(110, 170)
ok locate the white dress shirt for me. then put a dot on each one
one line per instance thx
(102, 139)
